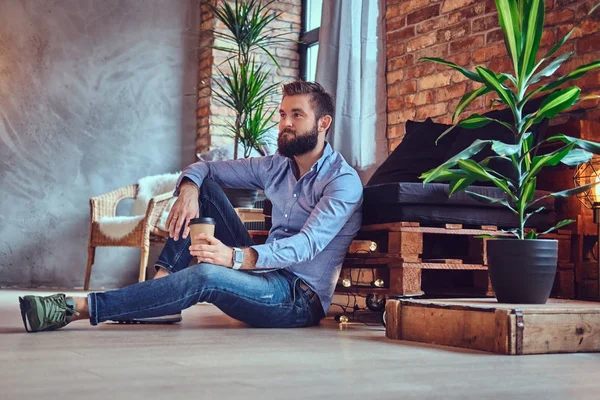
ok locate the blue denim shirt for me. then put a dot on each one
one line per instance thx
(314, 219)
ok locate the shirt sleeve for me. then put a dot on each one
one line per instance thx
(244, 173)
(341, 198)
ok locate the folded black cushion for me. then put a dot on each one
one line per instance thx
(417, 153)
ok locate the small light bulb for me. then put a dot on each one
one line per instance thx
(378, 283)
(373, 246)
(342, 319)
(346, 283)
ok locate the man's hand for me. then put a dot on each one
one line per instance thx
(184, 209)
(215, 252)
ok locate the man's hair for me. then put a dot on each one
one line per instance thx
(321, 101)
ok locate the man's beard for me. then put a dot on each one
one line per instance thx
(299, 144)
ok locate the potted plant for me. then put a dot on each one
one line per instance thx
(522, 268)
(242, 81)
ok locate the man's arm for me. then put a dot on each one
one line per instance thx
(341, 198)
(245, 173)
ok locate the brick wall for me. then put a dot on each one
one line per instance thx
(467, 32)
(212, 116)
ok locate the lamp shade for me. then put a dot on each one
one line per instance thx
(589, 173)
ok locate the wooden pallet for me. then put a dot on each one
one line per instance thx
(408, 250)
(560, 326)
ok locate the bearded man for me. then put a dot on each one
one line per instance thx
(284, 283)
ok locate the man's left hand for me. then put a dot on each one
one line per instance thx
(215, 252)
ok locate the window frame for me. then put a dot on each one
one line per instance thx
(307, 39)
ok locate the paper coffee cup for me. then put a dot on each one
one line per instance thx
(201, 225)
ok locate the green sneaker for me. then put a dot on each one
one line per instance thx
(46, 313)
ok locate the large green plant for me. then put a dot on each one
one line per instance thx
(242, 82)
(522, 23)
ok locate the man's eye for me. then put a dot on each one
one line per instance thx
(296, 115)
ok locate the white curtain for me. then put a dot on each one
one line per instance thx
(351, 65)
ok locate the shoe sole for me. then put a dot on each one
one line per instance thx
(25, 306)
(152, 320)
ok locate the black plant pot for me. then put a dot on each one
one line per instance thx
(241, 198)
(522, 271)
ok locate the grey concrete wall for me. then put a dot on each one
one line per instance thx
(92, 98)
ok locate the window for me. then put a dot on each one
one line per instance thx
(311, 21)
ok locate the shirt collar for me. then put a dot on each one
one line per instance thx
(326, 153)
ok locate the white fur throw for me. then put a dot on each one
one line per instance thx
(150, 186)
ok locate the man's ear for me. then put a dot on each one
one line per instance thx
(325, 122)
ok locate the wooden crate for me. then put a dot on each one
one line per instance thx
(560, 326)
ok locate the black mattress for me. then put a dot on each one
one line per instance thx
(430, 204)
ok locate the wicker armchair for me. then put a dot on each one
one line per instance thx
(146, 232)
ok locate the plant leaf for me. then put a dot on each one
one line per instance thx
(548, 160)
(533, 26)
(469, 74)
(508, 17)
(489, 200)
(559, 225)
(557, 102)
(492, 82)
(577, 157)
(470, 151)
(531, 235)
(588, 145)
(474, 121)
(550, 68)
(505, 149)
(473, 167)
(575, 74)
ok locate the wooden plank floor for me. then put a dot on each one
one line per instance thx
(210, 356)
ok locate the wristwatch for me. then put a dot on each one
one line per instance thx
(238, 258)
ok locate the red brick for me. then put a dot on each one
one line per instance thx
(587, 27)
(454, 32)
(451, 5)
(423, 14)
(435, 81)
(396, 131)
(548, 38)
(501, 64)
(420, 69)
(432, 110)
(399, 117)
(395, 50)
(401, 35)
(451, 92)
(418, 99)
(468, 43)
(489, 52)
(447, 20)
(485, 23)
(402, 88)
(490, 6)
(589, 43)
(462, 59)
(494, 36)
(394, 104)
(408, 6)
(421, 42)
(393, 11)
(433, 51)
(400, 62)
(395, 23)
(394, 77)
(559, 16)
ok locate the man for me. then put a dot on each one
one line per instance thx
(288, 281)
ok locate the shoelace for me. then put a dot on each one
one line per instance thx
(56, 310)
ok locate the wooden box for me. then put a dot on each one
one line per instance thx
(560, 326)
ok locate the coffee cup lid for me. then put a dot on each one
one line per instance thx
(202, 220)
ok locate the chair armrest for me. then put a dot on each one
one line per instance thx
(156, 207)
(105, 205)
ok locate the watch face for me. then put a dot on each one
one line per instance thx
(238, 256)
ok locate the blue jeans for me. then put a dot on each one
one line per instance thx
(274, 299)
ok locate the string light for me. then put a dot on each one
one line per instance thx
(378, 283)
(346, 283)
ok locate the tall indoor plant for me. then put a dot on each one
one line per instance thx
(243, 81)
(515, 265)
